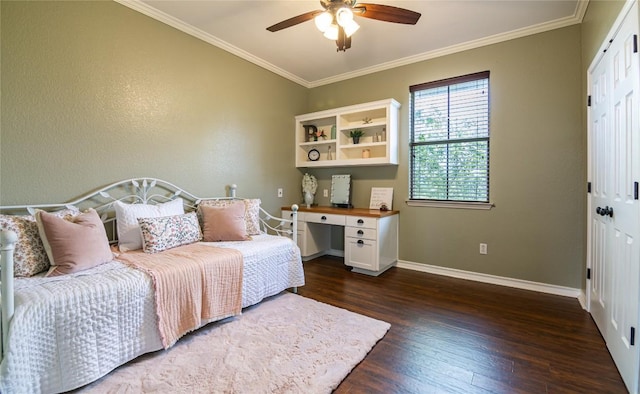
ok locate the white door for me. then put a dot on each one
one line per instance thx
(599, 139)
(614, 206)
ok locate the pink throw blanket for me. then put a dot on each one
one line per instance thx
(193, 284)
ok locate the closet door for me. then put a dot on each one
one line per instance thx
(614, 206)
(600, 166)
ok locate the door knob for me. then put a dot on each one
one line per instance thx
(606, 211)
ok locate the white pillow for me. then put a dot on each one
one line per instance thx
(129, 234)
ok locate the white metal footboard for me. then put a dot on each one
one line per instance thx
(275, 224)
(279, 226)
(8, 241)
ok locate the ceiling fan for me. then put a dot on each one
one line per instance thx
(336, 20)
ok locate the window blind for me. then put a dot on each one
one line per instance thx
(450, 139)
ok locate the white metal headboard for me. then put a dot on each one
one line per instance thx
(147, 191)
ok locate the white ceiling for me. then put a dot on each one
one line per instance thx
(301, 54)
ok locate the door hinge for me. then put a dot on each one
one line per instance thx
(608, 45)
(635, 190)
(589, 101)
(635, 43)
(588, 187)
(632, 338)
(588, 273)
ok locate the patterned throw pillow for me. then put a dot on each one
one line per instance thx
(251, 213)
(127, 215)
(29, 255)
(166, 232)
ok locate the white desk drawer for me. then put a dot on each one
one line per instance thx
(357, 221)
(361, 253)
(361, 233)
(289, 215)
(324, 218)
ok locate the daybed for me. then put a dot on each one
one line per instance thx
(62, 332)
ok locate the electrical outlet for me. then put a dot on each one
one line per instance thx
(483, 248)
(325, 192)
(280, 192)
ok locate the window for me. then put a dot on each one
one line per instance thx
(449, 147)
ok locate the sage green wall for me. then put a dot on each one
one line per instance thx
(535, 231)
(94, 92)
(596, 24)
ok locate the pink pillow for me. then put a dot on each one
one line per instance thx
(251, 211)
(29, 256)
(224, 223)
(73, 244)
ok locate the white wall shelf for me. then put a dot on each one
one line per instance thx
(378, 146)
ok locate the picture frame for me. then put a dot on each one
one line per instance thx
(381, 197)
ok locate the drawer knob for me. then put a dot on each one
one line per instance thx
(360, 232)
(323, 218)
(360, 242)
(360, 221)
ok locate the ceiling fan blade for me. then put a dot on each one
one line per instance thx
(386, 13)
(294, 21)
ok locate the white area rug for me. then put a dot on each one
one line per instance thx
(285, 344)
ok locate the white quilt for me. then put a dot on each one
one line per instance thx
(68, 331)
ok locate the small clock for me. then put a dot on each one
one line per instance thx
(314, 155)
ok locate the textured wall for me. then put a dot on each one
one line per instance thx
(535, 231)
(94, 92)
(596, 24)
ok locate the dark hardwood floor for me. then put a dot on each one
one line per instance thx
(455, 336)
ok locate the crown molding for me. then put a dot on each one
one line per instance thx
(578, 15)
(137, 5)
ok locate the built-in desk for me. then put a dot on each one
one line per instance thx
(370, 235)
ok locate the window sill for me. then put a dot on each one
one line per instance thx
(450, 204)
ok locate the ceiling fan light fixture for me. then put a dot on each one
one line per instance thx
(344, 16)
(336, 20)
(323, 21)
(332, 32)
(350, 28)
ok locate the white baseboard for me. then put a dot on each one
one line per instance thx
(582, 299)
(492, 279)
